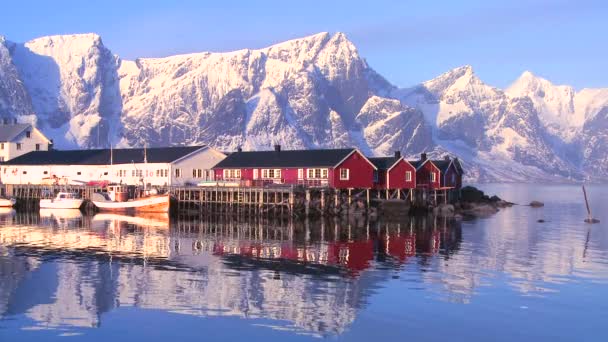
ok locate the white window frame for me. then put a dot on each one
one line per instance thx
(255, 173)
(433, 177)
(344, 174)
(300, 173)
(232, 173)
(178, 173)
(317, 173)
(408, 176)
(271, 173)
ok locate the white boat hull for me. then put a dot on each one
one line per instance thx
(154, 204)
(64, 203)
(7, 202)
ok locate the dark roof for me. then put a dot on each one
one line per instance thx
(384, 163)
(442, 165)
(11, 131)
(102, 156)
(287, 158)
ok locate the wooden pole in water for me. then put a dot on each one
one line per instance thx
(590, 218)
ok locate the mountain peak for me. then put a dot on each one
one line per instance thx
(457, 78)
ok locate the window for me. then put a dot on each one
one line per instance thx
(433, 177)
(375, 176)
(300, 173)
(1, 159)
(28, 134)
(255, 173)
(453, 178)
(105, 173)
(46, 172)
(37, 147)
(408, 176)
(232, 174)
(271, 173)
(25, 172)
(2, 146)
(344, 174)
(197, 173)
(18, 146)
(139, 173)
(317, 173)
(79, 173)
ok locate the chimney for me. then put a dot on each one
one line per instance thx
(422, 156)
(277, 148)
(239, 149)
(446, 158)
(397, 154)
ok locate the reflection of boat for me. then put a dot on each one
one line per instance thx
(7, 202)
(63, 200)
(67, 214)
(160, 220)
(6, 212)
(116, 199)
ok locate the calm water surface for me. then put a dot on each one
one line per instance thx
(67, 277)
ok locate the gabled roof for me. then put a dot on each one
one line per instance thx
(383, 163)
(419, 163)
(9, 132)
(104, 156)
(285, 158)
(442, 165)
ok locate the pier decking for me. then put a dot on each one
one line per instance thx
(298, 201)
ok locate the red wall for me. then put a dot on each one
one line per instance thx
(396, 176)
(361, 174)
(423, 176)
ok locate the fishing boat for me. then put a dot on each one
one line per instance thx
(63, 200)
(116, 199)
(7, 202)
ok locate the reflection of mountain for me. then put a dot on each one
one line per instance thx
(315, 277)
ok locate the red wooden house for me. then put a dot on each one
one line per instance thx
(335, 168)
(428, 175)
(394, 173)
(437, 174)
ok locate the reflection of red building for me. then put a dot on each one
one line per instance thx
(400, 247)
(356, 255)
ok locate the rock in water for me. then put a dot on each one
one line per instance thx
(536, 204)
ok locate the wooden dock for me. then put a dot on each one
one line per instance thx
(285, 200)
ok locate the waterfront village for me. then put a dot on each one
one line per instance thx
(205, 177)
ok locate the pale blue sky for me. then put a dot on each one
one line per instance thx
(406, 41)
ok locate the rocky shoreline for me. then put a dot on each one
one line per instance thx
(472, 203)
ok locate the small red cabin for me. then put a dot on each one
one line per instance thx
(428, 175)
(334, 168)
(394, 173)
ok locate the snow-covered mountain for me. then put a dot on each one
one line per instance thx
(316, 91)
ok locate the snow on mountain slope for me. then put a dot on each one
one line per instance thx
(307, 90)
(555, 104)
(498, 127)
(14, 99)
(73, 85)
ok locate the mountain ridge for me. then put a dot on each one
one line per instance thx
(310, 92)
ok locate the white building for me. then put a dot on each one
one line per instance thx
(17, 139)
(184, 165)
